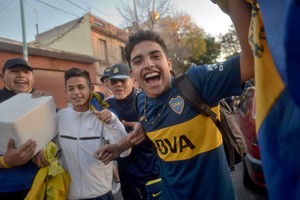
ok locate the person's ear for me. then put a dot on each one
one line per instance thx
(131, 73)
(170, 64)
(171, 67)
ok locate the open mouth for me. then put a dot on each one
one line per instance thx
(21, 82)
(77, 99)
(152, 78)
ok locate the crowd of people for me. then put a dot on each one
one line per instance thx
(161, 147)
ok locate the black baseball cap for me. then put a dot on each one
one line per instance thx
(16, 62)
(105, 74)
(119, 71)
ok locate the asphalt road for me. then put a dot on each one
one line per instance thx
(242, 192)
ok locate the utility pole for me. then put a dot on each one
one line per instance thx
(25, 52)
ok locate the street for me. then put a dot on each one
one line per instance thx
(244, 193)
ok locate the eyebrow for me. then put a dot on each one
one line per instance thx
(76, 85)
(151, 52)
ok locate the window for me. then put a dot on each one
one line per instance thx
(102, 50)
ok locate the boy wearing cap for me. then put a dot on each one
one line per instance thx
(17, 171)
(139, 172)
(104, 79)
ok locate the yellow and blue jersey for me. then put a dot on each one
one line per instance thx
(275, 41)
(192, 160)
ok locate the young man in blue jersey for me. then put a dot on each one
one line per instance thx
(139, 172)
(192, 160)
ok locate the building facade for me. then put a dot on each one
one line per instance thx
(87, 42)
(87, 35)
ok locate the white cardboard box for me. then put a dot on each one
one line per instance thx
(23, 117)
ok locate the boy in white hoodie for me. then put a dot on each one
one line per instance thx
(83, 129)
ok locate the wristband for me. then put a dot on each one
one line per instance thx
(3, 163)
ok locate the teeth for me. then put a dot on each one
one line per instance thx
(21, 82)
(151, 74)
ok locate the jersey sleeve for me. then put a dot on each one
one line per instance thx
(217, 81)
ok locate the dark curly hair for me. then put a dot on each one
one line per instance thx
(140, 36)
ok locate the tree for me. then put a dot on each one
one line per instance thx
(213, 51)
(184, 39)
(144, 13)
(229, 43)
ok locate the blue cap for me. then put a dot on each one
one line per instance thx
(119, 71)
(105, 74)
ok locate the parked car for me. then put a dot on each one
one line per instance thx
(245, 114)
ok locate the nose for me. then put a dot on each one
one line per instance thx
(75, 90)
(20, 73)
(149, 63)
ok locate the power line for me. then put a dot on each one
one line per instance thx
(64, 11)
(100, 11)
(86, 10)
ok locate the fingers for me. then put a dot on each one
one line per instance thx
(28, 147)
(105, 157)
(129, 124)
(10, 144)
(97, 154)
(138, 134)
(136, 138)
(39, 93)
(104, 115)
(105, 153)
(40, 160)
(18, 156)
(26, 151)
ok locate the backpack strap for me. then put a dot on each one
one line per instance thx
(187, 90)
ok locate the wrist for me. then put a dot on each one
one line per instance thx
(4, 163)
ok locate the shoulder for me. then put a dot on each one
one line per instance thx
(140, 96)
(64, 111)
(139, 100)
(216, 81)
(6, 94)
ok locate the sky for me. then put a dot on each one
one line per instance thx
(42, 15)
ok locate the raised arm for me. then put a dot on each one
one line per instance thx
(240, 13)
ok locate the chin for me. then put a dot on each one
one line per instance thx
(153, 94)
